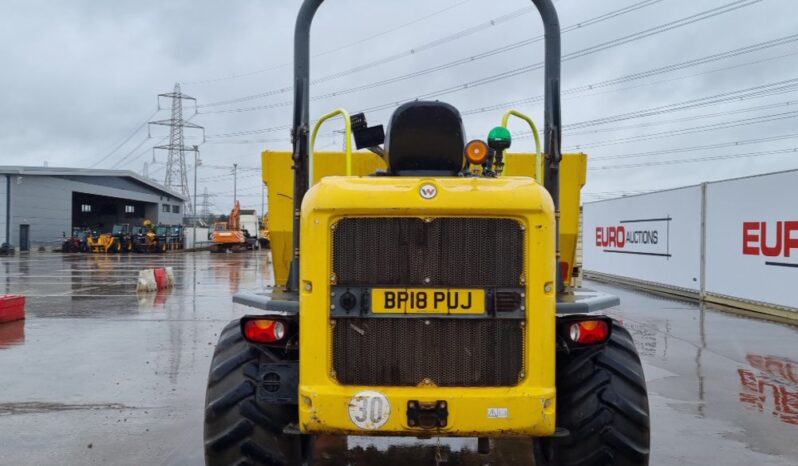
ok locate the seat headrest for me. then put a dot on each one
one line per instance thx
(425, 138)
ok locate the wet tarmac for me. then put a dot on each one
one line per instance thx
(100, 375)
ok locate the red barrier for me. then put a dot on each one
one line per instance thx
(161, 278)
(12, 307)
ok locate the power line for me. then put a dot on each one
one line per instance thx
(692, 130)
(572, 95)
(613, 194)
(683, 119)
(227, 167)
(707, 14)
(720, 145)
(575, 92)
(230, 175)
(418, 73)
(134, 149)
(121, 161)
(140, 154)
(125, 140)
(789, 85)
(335, 49)
(490, 79)
(654, 72)
(791, 150)
(765, 90)
(245, 190)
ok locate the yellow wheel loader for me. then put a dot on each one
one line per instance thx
(424, 289)
(263, 232)
(104, 242)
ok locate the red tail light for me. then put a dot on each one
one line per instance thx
(264, 330)
(587, 332)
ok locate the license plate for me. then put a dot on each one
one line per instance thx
(427, 301)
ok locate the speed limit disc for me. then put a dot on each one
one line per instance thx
(369, 409)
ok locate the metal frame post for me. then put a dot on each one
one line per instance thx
(196, 162)
(235, 183)
(703, 242)
(8, 209)
(300, 126)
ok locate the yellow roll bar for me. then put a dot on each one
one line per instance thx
(348, 141)
(538, 153)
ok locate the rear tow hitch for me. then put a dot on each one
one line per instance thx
(427, 414)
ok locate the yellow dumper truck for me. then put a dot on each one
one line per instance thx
(424, 288)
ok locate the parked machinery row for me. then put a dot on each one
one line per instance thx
(124, 238)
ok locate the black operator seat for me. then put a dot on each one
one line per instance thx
(425, 139)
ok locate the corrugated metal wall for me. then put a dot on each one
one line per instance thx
(44, 203)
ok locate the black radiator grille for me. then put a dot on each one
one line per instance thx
(445, 352)
(463, 252)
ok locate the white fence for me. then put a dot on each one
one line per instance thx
(188, 237)
(752, 239)
(734, 240)
(654, 238)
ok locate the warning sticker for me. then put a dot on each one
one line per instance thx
(498, 413)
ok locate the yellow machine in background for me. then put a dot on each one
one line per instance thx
(146, 238)
(104, 242)
(264, 233)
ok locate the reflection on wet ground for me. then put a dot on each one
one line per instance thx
(12, 333)
(774, 382)
(728, 381)
(100, 375)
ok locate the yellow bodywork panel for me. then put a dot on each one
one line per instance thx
(279, 177)
(528, 408)
(573, 172)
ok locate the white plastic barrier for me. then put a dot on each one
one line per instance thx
(156, 279)
(653, 237)
(752, 232)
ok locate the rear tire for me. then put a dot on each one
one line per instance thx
(240, 430)
(602, 401)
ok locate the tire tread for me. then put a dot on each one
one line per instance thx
(239, 430)
(603, 402)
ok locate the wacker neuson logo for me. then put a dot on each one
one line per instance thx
(428, 191)
(772, 239)
(645, 237)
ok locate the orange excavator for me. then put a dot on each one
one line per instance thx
(228, 236)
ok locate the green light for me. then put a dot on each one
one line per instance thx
(499, 138)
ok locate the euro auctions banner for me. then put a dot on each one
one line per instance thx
(652, 237)
(752, 239)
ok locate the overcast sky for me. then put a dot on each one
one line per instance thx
(80, 79)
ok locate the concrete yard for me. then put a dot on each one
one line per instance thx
(99, 375)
